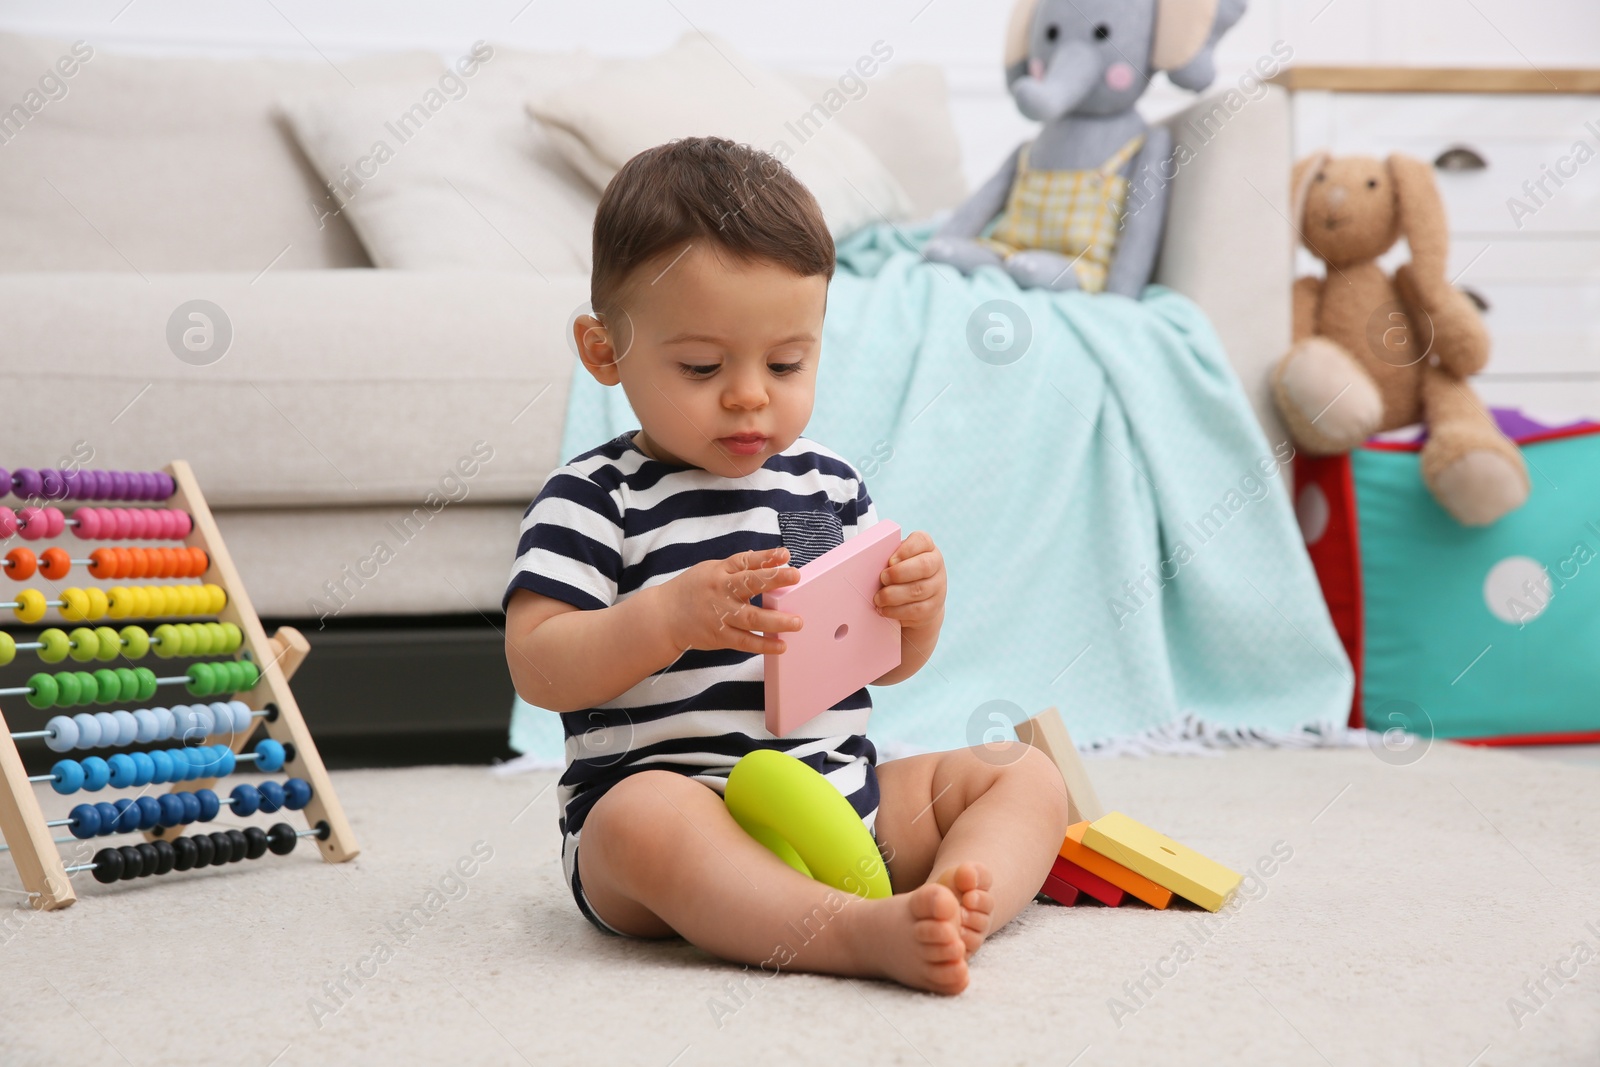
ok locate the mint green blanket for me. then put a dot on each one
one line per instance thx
(1116, 528)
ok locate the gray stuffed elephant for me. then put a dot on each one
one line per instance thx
(1078, 66)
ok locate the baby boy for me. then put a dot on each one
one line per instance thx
(632, 607)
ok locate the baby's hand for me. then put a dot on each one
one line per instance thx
(708, 606)
(913, 584)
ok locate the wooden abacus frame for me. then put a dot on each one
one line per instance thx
(22, 822)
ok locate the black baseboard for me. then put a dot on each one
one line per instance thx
(387, 691)
(350, 752)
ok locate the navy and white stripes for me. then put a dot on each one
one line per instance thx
(613, 521)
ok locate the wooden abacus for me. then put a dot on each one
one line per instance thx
(258, 680)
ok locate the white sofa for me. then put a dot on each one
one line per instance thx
(349, 394)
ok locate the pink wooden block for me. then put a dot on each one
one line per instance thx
(844, 643)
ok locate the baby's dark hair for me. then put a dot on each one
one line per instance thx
(741, 198)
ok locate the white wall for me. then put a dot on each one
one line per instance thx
(964, 36)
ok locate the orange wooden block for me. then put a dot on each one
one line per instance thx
(1133, 882)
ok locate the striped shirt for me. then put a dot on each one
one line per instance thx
(613, 521)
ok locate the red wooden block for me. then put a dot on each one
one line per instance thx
(1064, 870)
(1059, 891)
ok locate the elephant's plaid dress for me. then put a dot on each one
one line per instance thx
(1074, 212)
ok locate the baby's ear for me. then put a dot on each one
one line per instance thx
(596, 349)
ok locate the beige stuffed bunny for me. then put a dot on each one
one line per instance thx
(1372, 353)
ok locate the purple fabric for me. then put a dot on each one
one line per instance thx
(1519, 426)
(1516, 425)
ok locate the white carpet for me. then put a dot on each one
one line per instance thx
(1417, 903)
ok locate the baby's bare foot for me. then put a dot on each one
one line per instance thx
(971, 882)
(913, 938)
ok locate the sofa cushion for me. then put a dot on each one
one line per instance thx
(144, 164)
(704, 86)
(456, 176)
(335, 563)
(336, 387)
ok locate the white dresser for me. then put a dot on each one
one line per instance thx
(1530, 253)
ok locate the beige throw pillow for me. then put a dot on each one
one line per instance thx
(704, 86)
(453, 174)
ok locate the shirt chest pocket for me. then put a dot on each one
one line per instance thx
(808, 534)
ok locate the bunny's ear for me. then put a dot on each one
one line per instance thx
(1022, 13)
(1305, 172)
(1421, 214)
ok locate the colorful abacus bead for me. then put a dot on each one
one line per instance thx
(271, 795)
(114, 485)
(55, 563)
(127, 816)
(125, 771)
(203, 805)
(52, 486)
(223, 676)
(82, 644)
(20, 563)
(70, 483)
(296, 793)
(137, 524)
(73, 484)
(196, 850)
(43, 692)
(270, 755)
(104, 686)
(83, 731)
(116, 563)
(147, 601)
(245, 798)
(70, 775)
(30, 606)
(37, 523)
(27, 483)
(135, 641)
(55, 645)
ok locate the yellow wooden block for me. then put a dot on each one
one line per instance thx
(1162, 860)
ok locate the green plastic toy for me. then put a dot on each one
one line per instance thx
(802, 818)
